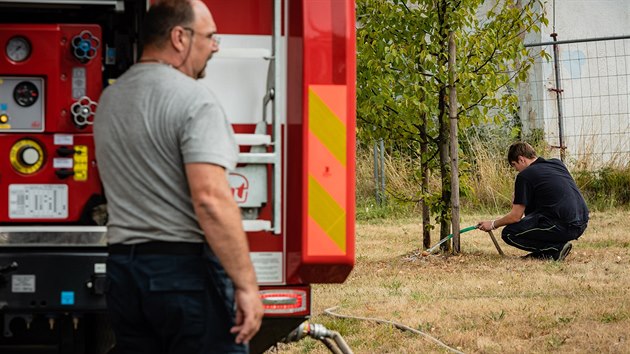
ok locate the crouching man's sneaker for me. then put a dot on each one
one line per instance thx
(563, 253)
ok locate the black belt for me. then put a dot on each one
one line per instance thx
(166, 248)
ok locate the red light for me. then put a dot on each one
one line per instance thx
(283, 301)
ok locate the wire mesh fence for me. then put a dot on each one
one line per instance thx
(584, 111)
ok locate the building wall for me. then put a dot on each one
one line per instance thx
(594, 79)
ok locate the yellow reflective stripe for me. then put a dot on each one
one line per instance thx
(327, 213)
(326, 126)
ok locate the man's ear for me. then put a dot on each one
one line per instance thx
(179, 38)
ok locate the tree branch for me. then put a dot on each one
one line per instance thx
(485, 95)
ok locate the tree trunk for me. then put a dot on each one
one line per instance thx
(443, 136)
(424, 188)
(452, 105)
(443, 144)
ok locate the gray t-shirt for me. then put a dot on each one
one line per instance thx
(149, 123)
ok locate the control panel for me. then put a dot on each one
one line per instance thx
(50, 81)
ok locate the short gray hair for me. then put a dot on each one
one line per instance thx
(162, 17)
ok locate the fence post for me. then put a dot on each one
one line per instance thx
(558, 90)
(383, 197)
(379, 171)
(377, 192)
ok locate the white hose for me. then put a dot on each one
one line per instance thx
(395, 324)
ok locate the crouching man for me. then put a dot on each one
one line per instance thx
(554, 209)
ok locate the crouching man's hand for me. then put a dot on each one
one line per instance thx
(486, 225)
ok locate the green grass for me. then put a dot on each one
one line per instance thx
(497, 316)
(564, 320)
(393, 286)
(605, 188)
(368, 210)
(612, 317)
(603, 244)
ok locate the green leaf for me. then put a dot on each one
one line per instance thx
(402, 66)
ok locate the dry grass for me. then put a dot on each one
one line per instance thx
(479, 302)
(494, 179)
(400, 176)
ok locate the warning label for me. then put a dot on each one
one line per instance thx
(268, 266)
(23, 283)
(38, 201)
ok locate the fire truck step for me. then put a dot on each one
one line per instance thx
(253, 139)
(261, 158)
(257, 225)
(52, 228)
(248, 225)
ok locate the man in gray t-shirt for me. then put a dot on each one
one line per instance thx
(154, 120)
(164, 146)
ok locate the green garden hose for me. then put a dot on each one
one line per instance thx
(432, 249)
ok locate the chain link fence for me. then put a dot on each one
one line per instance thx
(580, 100)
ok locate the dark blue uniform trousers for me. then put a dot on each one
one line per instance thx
(165, 303)
(538, 234)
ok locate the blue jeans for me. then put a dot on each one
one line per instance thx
(537, 233)
(175, 304)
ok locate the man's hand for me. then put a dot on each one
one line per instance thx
(485, 225)
(515, 215)
(220, 219)
(249, 313)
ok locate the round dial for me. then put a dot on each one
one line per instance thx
(29, 155)
(25, 94)
(18, 49)
(26, 156)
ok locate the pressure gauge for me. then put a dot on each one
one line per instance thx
(18, 49)
(25, 94)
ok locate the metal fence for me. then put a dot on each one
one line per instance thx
(580, 100)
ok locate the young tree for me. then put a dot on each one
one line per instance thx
(403, 78)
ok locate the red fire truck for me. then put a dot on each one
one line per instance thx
(286, 76)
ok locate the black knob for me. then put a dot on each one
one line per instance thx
(97, 284)
(9, 267)
(64, 173)
(65, 151)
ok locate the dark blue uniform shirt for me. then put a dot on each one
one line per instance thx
(546, 187)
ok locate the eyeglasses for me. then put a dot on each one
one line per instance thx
(210, 36)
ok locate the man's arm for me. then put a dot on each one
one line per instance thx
(515, 215)
(220, 220)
